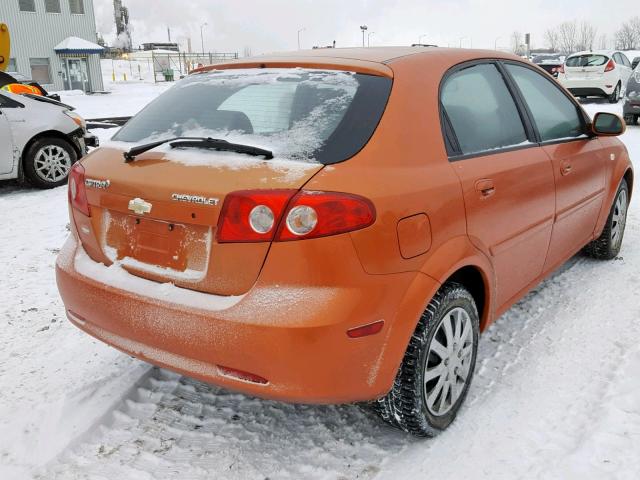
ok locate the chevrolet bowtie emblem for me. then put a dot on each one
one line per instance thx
(139, 206)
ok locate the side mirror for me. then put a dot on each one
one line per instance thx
(608, 124)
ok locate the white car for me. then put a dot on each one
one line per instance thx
(599, 73)
(40, 139)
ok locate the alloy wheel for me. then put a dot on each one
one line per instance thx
(619, 218)
(448, 361)
(52, 163)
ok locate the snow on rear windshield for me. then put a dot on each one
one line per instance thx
(291, 112)
(587, 61)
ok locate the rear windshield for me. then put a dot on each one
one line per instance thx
(587, 60)
(299, 114)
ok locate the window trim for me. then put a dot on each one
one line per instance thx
(48, 65)
(35, 8)
(452, 144)
(53, 13)
(84, 8)
(449, 136)
(584, 119)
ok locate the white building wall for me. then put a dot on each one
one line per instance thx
(34, 35)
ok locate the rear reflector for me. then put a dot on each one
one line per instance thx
(366, 330)
(240, 375)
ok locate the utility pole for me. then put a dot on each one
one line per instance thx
(202, 35)
(169, 33)
(369, 38)
(299, 32)
(364, 28)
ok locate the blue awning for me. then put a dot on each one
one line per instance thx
(78, 46)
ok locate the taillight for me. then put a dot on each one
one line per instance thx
(285, 215)
(320, 214)
(610, 66)
(252, 215)
(77, 190)
(560, 69)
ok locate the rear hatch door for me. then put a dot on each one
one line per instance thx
(587, 66)
(158, 217)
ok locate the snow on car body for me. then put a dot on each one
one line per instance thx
(365, 218)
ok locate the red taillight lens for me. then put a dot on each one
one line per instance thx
(610, 66)
(284, 215)
(245, 215)
(320, 214)
(77, 190)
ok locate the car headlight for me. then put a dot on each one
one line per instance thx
(78, 120)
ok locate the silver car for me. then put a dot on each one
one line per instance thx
(40, 139)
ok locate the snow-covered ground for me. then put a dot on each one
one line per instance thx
(556, 392)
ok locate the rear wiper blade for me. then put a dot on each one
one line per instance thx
(198, 142)
(132, 153)
(223, 146)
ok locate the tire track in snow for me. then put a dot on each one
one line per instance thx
(177, 427)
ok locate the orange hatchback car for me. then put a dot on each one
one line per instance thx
(339, 225)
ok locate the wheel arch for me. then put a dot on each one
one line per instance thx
(48, 134)
(475, 280)
(628, 176)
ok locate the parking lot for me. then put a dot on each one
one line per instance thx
(556, 387)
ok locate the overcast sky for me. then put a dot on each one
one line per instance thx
(272, 25)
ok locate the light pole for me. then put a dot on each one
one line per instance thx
(369, 38)
(202, 35)
(462, 38)
(364, 29)
(420, 38)
(495, 44)
(299, 32)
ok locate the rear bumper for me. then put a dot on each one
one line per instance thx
(631, 108)
(292, 337)
(591, 87)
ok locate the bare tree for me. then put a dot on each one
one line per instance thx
(568, 33)
(516, 43)
(628, 35)
(586, 36)
(603, 42)
(552, 38)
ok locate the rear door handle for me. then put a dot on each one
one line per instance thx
(565, 168)
(485, 187)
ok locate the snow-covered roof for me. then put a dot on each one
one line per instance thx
(78, 46)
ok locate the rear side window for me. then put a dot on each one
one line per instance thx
(299, 114)
(554, 114)
(481, 110)
(587, 60)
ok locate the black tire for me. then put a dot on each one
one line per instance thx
(405, 406)
(615, 96)
(630, 119)
(66, 156)
(607, 245)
